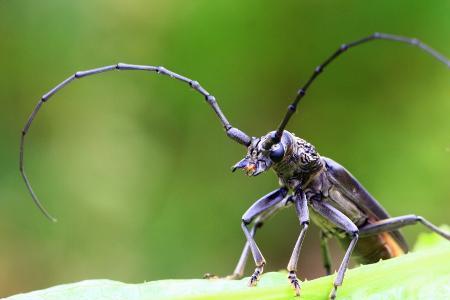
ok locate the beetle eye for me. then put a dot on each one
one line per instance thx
(276, 153)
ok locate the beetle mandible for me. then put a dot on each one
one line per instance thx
(319, 188)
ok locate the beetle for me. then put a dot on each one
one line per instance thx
(320, 189)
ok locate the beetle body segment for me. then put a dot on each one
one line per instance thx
(323, 179)
(338, 187)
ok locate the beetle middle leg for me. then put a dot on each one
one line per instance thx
(399, 222)
(301, 207)
(343, 222)
(263, 207)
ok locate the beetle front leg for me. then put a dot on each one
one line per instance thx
(262, 207)
(240, 267)
(257, 256)
(342, 221)
(301, 206)
(399, 222)
(258, 223)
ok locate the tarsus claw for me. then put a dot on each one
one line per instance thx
(294, 282)
(255, 277)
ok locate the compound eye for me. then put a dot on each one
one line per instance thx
(276, 153)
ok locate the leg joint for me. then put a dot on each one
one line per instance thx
(261, 265)
(354, 233)
(246, 221)
(411, 219)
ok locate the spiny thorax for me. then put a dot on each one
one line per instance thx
(301, 160)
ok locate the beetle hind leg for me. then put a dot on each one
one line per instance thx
(395, 223)
(343, 222)
(343, 267)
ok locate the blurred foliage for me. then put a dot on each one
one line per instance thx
(136, 167)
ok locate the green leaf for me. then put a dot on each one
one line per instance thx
(423, 274)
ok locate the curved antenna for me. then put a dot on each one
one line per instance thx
(232, 132)
(344, 47)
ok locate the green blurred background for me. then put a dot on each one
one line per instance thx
(137, 168)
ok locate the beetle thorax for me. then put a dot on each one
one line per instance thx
(300, 162)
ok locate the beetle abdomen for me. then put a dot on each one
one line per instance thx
(373, 248)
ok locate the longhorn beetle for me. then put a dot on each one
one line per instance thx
(318, 187)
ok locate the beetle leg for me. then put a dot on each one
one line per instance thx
(342, 221)
(257, 256)
(240, 267)
(258, 223)
(301, 206)
(399, 222)
(263, 207)
(325, 252)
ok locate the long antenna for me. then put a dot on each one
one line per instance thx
(232, 132)
(343, 48)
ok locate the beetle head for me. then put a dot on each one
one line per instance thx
(259, 159)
